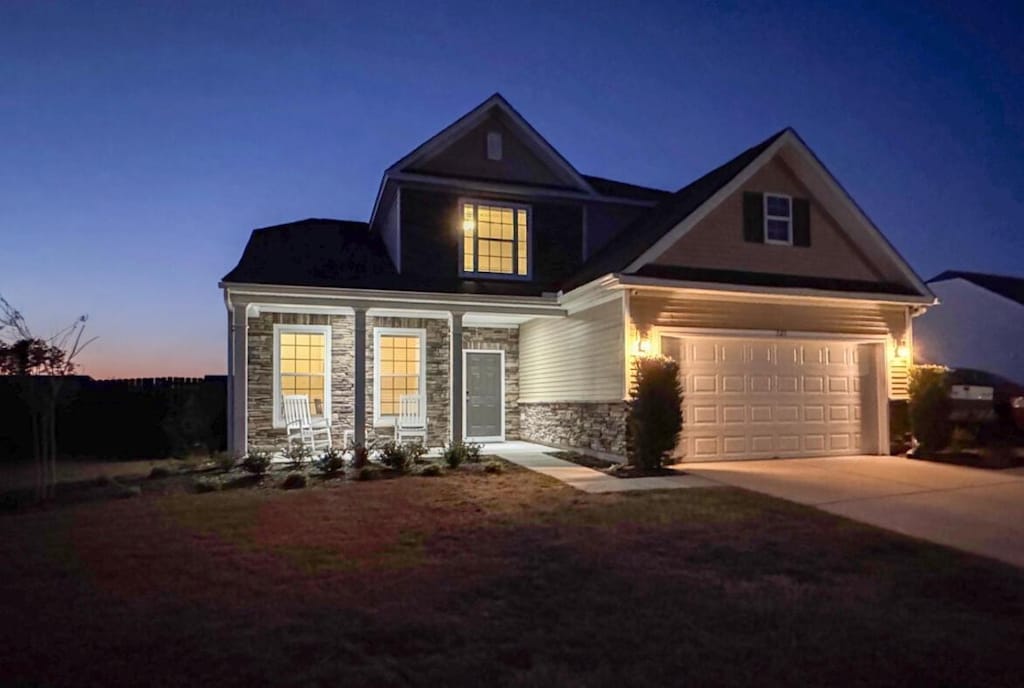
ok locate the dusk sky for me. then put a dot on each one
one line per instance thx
(139, 145)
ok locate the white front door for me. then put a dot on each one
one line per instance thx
(748, 398)
(484, 397)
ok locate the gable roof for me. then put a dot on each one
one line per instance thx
(635, 239)
(617, 189)
(1008, 287)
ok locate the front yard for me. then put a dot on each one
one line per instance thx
(491, 579)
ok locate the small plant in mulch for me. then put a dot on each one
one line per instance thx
(127, 491)
(494, 467)
(457, 453)
(430, 470)
(224, 461)
(360, 456)
(298, 455)
(294, 481)
(330, 462)
(400, 456)
(160, 472)
(368, 472)
(257, 461)
(202, 485)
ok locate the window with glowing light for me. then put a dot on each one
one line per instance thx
(495, 239)
(398, 369)
(302, 363)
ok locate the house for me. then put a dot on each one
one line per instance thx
(507, 294)
(980, 324)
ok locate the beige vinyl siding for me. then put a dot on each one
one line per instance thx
(664, 309)
(577, 358)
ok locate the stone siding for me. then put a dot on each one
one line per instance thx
(506, 339)
(597, 426)
(260, 388)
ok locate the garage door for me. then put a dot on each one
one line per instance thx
(766, 398)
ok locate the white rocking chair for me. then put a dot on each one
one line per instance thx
(314, 433)
(412, 419)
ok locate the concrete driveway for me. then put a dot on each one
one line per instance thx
(971, 509)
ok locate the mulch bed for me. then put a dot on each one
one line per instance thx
(612, 468)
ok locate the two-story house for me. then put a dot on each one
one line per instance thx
(509, 294)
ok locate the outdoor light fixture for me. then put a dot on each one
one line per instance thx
(644, 345)
(902, 350)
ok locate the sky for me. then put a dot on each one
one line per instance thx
(140, 143)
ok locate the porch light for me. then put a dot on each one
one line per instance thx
(902, 351)
(644, 345)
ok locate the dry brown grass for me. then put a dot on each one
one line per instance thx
(474, 579)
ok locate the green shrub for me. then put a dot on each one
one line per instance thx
(202, 485)
(159, 472)
(330, 462)
(224, 461)
(368, 472)
(398, 456)
(257, 461)
(654, 416)
(430, 470)
(298, 455)
(456, 453)
(929, 406)
(963, 438)
(493, 466)
(294, 481)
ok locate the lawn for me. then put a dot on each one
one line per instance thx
(477, 579)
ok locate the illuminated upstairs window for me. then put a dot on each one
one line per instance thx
(495, 239)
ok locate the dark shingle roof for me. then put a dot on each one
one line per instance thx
(632, 241)
(1008, 287)
(617, 189)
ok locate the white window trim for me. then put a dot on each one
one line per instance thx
(789, 220)
(378, 332)
(325, 330)
(530, 232)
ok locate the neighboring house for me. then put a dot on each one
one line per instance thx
(980, 324)
(511, 293)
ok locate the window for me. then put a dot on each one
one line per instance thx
(495, 239)
(302, 365)
(778, 219)
(398, 365)
(494, 145)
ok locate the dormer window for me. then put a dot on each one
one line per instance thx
(778, 219)
(495, 239)
(494, 145)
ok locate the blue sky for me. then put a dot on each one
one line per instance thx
(139, 145)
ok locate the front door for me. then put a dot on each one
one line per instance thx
(484, 395)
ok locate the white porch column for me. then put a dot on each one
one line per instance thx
(457, 392)
(238, 334)
(359, 405)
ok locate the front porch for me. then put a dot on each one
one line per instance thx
(356, 360)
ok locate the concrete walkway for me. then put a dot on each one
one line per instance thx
(979, 511)
(536, 458)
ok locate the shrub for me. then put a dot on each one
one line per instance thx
(929, 406)
(493, 466)
(127, 491)
(202, 485)
(456, 453)
(298, 455)
(400, 456)
(368, 472)
(294, 481)
(159, 472)
(224, 461)
(431, 470)
(962, 438)
(654, 417)
(360, 456)
(330, 462)
(257, 461)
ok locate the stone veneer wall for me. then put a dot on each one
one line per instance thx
(598, 426)
(438, 344)
(507, 339)
(260, 388)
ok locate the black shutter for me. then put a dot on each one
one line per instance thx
(753, 217)
(801, 222)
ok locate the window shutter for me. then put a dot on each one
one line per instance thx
(801, 222)
(753, 217)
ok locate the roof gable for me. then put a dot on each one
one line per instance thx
(459, 150)
(1008, 287)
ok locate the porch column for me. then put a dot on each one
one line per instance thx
(457, 391)
(359, 422)
(238, 334)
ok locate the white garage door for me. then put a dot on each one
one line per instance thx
(766, 398)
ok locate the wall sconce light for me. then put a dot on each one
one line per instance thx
(902, 350)
(644, 345)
